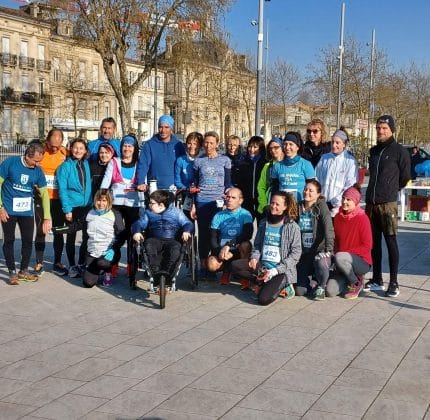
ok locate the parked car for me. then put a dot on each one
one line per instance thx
(423, 153)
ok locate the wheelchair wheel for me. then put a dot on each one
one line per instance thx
(162, 290)
(134, 265)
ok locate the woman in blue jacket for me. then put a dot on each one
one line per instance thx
(74, 184)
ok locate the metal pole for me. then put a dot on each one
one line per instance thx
(339, 87)
(265, 81)
(371, 84)
(259, 66)
(155, 93)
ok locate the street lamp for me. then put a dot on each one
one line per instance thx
(260, 38)
(341, 48)
(370, 114)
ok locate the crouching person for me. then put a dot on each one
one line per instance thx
(104, 227)
(162, 225)
(277, 249)
(231, 232)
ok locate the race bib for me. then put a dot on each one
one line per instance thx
(271, 253)
(307, 239)
(21, 204)
(51, 182)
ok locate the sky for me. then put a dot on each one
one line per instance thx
(299, 29)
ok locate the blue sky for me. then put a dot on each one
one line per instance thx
(298, 29)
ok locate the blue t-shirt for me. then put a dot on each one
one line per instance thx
(306, 224)
(211, 177)
(18, 185)
(292, 178)
(271, 253)
(230, 223)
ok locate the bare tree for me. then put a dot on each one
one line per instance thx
(283, 86)
(118, 30)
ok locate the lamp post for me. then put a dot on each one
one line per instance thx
(260, 39)
(339, 87)
(265, 80)
(370, 114)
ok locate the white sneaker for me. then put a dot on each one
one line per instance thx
(74, 271)
(372, 286)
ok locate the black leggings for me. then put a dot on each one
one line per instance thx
(205, 213)
(94, 267)
(270, 290)
(393, 256)
(57, 216)
(79, 215)
(129, 215)
(163, 254)
(26, 228)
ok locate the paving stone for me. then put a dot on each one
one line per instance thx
(223, 322)
(195, 364)
(384, 408)
(345, 400)
(20, 348)
(124, 352)
(30, 370)
(89, 369)
(328, 364)
(239, 413)
(233, 381)
(10, 386)
(363, 378)
(321, 415)
(199, 401)
(42, 392)
(164, 383)
(132, 403)
(159, 414)
(222, 348)
(106, 386)
(279, 401)
(69, 407)
(14, 411)
(138, 369)
(300, 380)
(376, 360)
(101, 339)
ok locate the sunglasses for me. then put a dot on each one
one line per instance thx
(274, 147)
(314, 131)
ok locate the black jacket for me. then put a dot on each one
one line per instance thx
(313, 153)
(248, 175)
(389, 170)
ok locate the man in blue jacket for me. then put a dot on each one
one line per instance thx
(106, 135)
(158, 155)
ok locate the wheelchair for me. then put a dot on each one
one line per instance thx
(163, 282)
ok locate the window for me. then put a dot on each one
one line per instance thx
(69, 66)
(6, 80)
(24, 49)
(107, 110)
(206, 88)
(95, 110)
(7, 120)
(297, 119)
(197, 87)
(41, 87)
(41, 52)
(56, 69)
(81, 72)
(25, 121)
(158, 82)
(95, 76)
(82, 107)
(24, 82)
(5, 44)
(57, 106)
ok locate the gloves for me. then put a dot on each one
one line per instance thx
(109, 254)
(321, 255)
(266, 275)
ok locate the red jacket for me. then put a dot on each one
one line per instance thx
(353, 234)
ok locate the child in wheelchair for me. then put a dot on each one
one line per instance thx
(161, 227)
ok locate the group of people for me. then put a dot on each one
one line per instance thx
(303, 196)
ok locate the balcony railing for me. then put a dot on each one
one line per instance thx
(8, 59)
(43, 65)
(26, 62)
(9, 95)
(142, 115)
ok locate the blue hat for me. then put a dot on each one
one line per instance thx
(166, 119)
(128, 139)
(276, 140)
(293, 137)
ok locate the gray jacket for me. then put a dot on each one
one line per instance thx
(291, 248)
